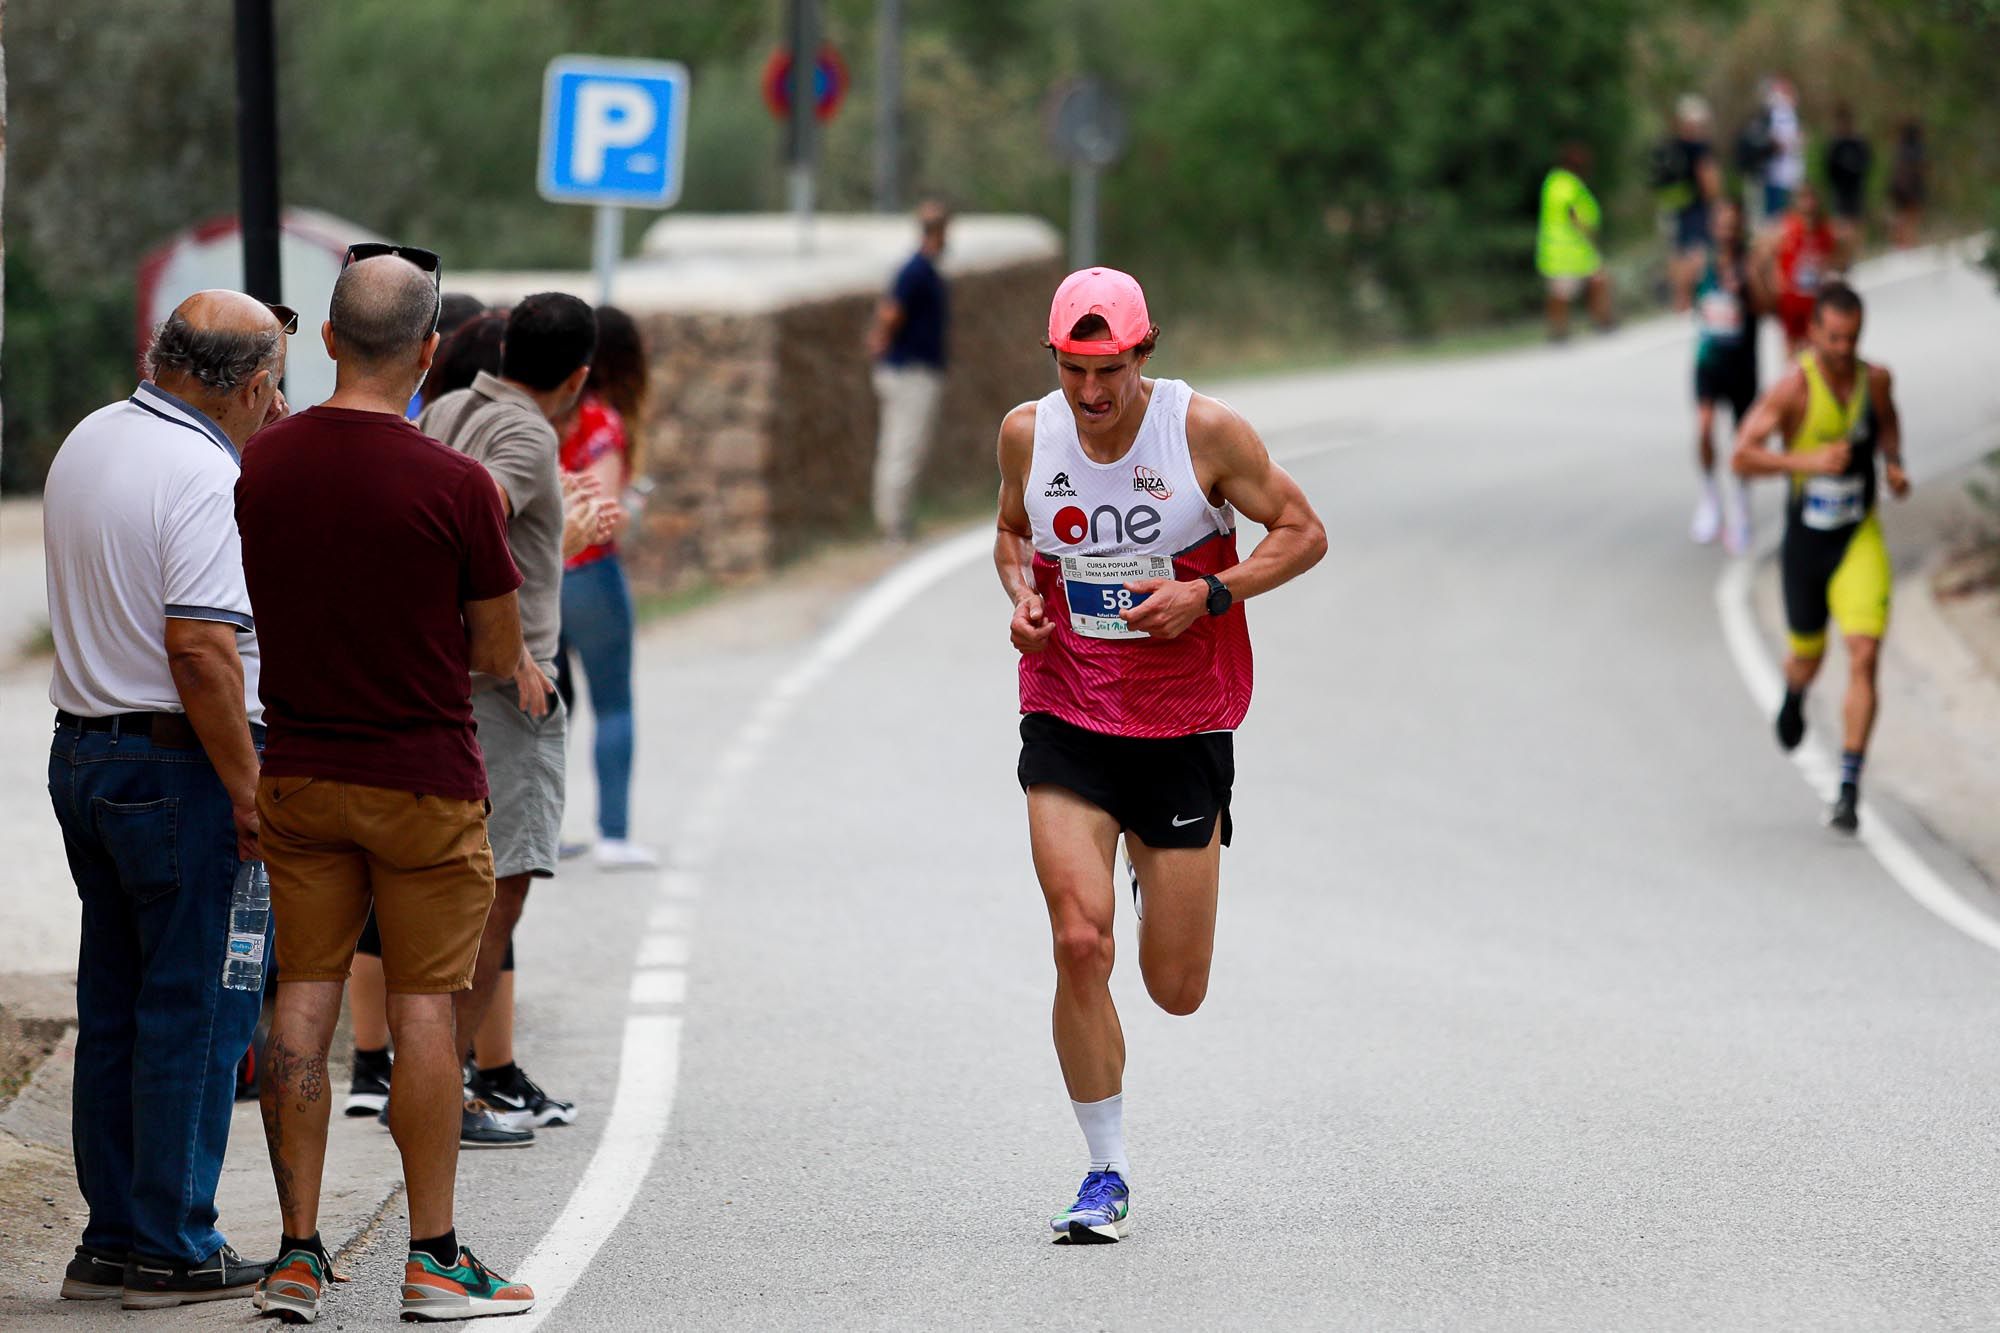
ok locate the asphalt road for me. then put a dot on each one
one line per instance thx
(1540, 998)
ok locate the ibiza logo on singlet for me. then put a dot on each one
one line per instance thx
(1152, 483)
(1140, 524)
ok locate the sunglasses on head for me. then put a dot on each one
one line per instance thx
(427, 260)
(288, 318)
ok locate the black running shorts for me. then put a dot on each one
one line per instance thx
(1727, 378)
(1166, 793)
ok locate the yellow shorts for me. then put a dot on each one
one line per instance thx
(1856, 594)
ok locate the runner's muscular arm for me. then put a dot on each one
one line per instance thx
(1014, 544)
(1778, 413)
(1231, 459)
(1888, 430)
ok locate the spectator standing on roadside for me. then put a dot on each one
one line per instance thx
(1690, 184)
(1566, 243)
(473, 348)
(153, 773)
(377, 564)
(1849, 157)
(504, 422)
(1909, 183)
(1785, 169)
(603, 440)
(455, 310)
(908, 341)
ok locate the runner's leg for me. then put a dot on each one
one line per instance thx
(1177, 933)
(1074, 843)
(1863, 653)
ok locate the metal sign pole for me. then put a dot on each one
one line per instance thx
(805, 111)
(606, 248)
(888, 103)
(257, 147)
(1082, 215)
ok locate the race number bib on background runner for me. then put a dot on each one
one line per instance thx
(1095, 587)
(1832, 503)
(1721, 317)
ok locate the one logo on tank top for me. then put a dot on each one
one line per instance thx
(1059, 485)
(1152, 483)
(1140, 523)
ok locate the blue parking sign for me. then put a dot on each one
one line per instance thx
(613, 131)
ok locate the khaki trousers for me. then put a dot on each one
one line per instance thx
(909, 401)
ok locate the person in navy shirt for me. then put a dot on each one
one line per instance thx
(907, 341)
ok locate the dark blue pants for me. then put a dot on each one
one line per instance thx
(152, 849)
(597, 626)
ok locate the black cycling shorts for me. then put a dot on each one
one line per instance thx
(1166, 793)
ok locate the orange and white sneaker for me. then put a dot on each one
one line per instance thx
(467, 1290)
(295, 1287)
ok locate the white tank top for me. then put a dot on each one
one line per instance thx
(1147, 503)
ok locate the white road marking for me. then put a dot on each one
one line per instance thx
(659, 985)
(648, 1067)
(649, 1062)
(1767, 687)
(663, 950)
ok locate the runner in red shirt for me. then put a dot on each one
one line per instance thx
(1799, 256)
(1117, 545)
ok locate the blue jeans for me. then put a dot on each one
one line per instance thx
(597, 623)
(152, 849)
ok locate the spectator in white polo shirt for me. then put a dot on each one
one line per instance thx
(154, 777)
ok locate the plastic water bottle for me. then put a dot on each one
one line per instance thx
(249, 923)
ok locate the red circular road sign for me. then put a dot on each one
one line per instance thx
(829, 83)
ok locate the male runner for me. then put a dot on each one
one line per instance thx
(1795, 258)
(1117, 545)
(1836, 413)
(1728, 298)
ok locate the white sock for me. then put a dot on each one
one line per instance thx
(1103, 1125)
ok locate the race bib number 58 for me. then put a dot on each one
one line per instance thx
(1095, 587)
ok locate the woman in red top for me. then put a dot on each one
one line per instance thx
(602, 439)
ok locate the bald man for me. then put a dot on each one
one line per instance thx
(377, 562)
(153, 773)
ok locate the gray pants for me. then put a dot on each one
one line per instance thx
(909, 402)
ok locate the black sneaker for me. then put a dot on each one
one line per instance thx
(518, 1102)
(478, 1127)
(155, 1284)
(1791, 724)
(368, 1094)
(1844, 815)
(94, 1275)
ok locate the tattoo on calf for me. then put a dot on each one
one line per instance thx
(292, 1075)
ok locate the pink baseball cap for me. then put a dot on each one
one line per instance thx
(1104, 292)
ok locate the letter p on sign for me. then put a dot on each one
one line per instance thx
(613, 131)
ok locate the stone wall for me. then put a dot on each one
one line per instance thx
(761, 437)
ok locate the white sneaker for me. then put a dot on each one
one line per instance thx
(1737, 533)
(1707, 521)
(618, 854)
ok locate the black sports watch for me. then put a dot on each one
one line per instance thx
(1219, 597)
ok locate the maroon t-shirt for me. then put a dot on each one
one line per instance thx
(362, 538)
